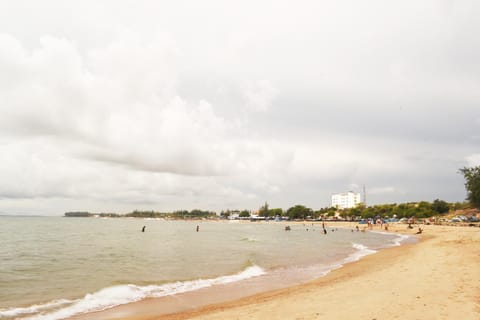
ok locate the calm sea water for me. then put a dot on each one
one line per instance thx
(55, 267)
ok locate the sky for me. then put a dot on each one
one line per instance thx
(114, 106)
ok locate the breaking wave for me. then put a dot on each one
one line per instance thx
(117, 295)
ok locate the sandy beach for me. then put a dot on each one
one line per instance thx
(436, 278)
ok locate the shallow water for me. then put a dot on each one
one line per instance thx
(55, 267)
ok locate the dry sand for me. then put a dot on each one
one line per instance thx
(437, 278)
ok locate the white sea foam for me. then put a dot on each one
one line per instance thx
(396, 241)
(362, 251)
(36, 308)
(117, 295)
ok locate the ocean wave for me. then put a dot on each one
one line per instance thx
(117, 295)
(395, 241)
(36, 308)
(361, 252)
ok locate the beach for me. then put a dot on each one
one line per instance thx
(436, 278)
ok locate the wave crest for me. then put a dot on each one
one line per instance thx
(117, 295)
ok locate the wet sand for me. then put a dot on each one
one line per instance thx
(437, 278)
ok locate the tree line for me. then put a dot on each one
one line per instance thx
(421, 209)
(179, 214)
(415, 209)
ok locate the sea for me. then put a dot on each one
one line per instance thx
(60, 267)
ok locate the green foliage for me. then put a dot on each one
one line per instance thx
(299, 212)
(460, 205)
(225, 214)
(180, 214)
(200, 213)
(144, 214)
(263, 211)
(368, 212)
(440, 206)
(472, 184)
(418, 210)
(244, 214)
(421, 209)
(275, 212)
(109, 215)
(78, 214)
(352, 212)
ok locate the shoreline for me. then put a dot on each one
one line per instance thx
(432, 279)
(274, 279)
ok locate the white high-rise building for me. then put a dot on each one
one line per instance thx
(345, 200)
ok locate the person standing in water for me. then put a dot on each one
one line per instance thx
(143, 229)
(198, 228)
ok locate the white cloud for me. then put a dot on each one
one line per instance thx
(115, 113)
(259, 95)
(156, 104)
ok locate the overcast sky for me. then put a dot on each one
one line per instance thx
(165, 105)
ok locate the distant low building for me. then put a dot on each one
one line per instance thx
(346, 200)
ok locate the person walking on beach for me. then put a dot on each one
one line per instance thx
(198, 228)
(143, 229)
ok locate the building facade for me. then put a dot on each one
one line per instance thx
(346, 200)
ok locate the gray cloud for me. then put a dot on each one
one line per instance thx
(174, 106)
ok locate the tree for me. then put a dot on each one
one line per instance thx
(263, 211)
(275, 212)
(299, 212)
(225, 214)
(459, 205)
(244, 214)
(440, 206)
(472, 184)
(331, 211)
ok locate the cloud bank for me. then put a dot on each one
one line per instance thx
(167, 106)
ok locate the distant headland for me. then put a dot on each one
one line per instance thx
(194, 214)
